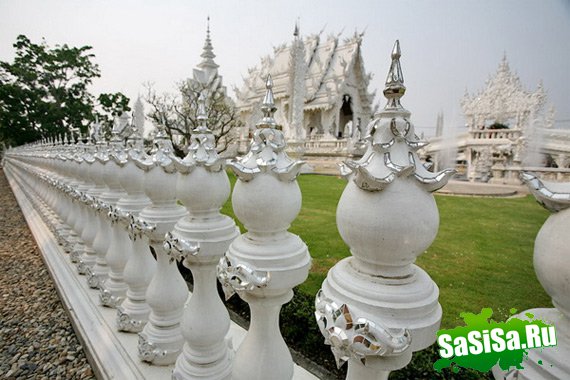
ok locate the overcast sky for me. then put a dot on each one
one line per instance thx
(447, 46)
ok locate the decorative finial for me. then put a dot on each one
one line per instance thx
(504, 65)
(208, 28)
(552, 196)
(208, 51)
(268, 106)
(134, 120)
(296, 31)
(134, 142)
(267, 149)
(391, 133)
(395, 88)
(202, 148)
(160, 126)
(202, 114)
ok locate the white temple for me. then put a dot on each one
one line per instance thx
(206, 80)
(321, 92)
(507, 129)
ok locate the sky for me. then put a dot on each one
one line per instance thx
(448, 46)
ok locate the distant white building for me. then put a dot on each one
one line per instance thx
(220, 108)
(321, 93)
(205, 75)
(508, 131)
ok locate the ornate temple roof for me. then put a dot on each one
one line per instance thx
(328, 61)
(503, 97)
(208, 52)
(205, 75)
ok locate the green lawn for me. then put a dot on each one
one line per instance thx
(482, 256)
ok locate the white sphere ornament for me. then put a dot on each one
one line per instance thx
(265, 263)
(552, 266)
(376, 307)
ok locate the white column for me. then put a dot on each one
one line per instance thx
(66, 211)
(160, 341)
(376, 307)
(264, 264)
(114, 289)
(199, 241)
(89, 255)
(133, 313)
(80, 185)
(101, 241)
(552, 267)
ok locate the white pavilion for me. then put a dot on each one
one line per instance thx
(508, 131)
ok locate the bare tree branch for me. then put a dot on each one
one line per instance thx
(178, 114)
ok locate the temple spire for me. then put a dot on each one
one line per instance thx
(296, 31)
(208, 52)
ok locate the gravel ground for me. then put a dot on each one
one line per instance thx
(36, 337)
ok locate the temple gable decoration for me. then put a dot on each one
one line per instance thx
(320, 88)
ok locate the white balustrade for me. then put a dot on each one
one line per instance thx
(71, 210)
(88, 256)
(376, 307)
(114, 289)
(66, 211)
(160, 341)
(199, 240)
(61, 201)
(265, 263)
(101, 242)
(133, 313)
(77, 168)
(115, 210)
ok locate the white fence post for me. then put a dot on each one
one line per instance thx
(199, 241)
(376, 307)
(160, 341)
(113, 289)
(101, 242)
(88, 256)
(133, 313)
(552, 267)
(80, 173)
(265, 263)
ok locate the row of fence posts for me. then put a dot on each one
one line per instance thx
(111, 204)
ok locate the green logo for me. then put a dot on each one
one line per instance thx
(482, 343)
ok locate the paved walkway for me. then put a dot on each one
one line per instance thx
(36, 337)
(480, 189)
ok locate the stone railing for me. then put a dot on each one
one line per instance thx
(319, 144)
(113, 221)
(510, 134)
(315, 145)
(122, 218)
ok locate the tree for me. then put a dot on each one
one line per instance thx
(108, 108)
(44, 92)
(179, 113)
